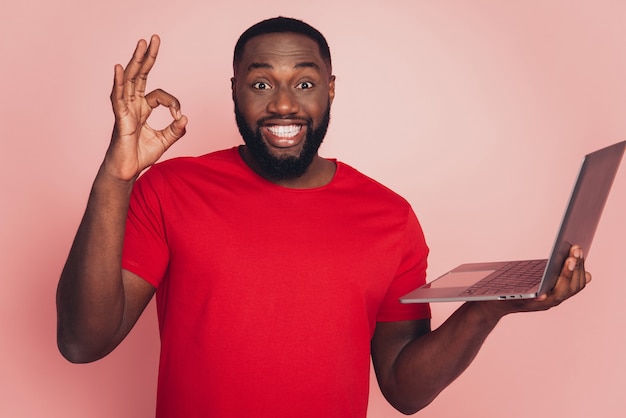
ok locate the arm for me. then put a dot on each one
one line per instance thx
(413, 365)
(97, 301)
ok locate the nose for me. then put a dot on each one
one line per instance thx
(283, 102)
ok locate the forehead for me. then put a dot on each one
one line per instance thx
(281, 49)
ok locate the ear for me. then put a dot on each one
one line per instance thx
(331, 88)
(232, 87)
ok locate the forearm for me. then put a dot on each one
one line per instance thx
(90, 295)
(414, 365)
(428, 364)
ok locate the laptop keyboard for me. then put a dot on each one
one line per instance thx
(515, 277)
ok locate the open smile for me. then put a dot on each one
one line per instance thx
(287, 131)
(284, 136)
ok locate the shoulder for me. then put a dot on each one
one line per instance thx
(352, 179)
(221, 157)
(187, 167)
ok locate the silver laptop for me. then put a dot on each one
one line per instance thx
(530, 278)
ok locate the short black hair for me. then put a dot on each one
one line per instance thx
(282, 24)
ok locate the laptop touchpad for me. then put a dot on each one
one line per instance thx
(460, 279)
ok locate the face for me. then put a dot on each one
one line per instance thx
(282, 91)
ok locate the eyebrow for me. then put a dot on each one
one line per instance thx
(304, 64)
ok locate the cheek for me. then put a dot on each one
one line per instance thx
(249, 106)
(316, 107)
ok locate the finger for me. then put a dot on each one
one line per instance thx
(583, 276)
(130, 72)
(172, 133)
(578, 253)
(563, 287)
(577, 275)
(159, 97)
(578, 278)
(118, 100)
(580, 273)
(133, 68)
(575, 251)
(175, 130)
(117, 93)
(149, 59)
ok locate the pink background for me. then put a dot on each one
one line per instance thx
(478, 112)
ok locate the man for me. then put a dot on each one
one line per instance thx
(277, 272)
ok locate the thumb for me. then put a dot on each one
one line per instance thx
(176, 129)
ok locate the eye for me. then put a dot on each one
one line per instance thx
(305, 85)
(261, 85)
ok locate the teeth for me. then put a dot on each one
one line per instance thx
(284, 131)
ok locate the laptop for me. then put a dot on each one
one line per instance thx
(531, 278)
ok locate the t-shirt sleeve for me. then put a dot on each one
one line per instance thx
(411, 274)
(146, 252)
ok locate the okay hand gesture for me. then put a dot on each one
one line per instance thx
(134, 144)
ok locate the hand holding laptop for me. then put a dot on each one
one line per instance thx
(431, 360)
(533, 279)
(425, 361)
(572, 279)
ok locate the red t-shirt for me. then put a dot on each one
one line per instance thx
(268, 297)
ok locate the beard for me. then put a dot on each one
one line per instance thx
(283, 167)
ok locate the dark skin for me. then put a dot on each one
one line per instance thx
(98, 302)
(280, 76)
(413, 365)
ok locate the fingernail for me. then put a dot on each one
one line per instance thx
(578, 253)
(571, 265)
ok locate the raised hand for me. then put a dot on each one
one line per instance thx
(134, 144)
